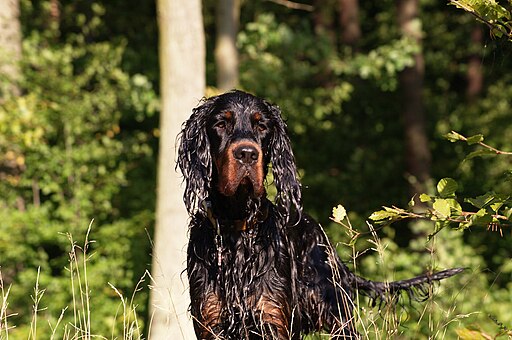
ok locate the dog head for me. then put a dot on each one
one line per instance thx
(227, 145)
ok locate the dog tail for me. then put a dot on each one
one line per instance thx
(418, 288)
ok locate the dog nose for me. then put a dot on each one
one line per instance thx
(246, 154)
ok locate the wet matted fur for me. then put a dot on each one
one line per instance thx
(259, 269)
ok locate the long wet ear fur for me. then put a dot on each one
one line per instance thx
(288, 199)
(194, 159)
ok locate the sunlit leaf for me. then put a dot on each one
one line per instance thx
(425, 198)
(508, 213)
(383, 215)
(339, 213)
(442, 207)
(469, 334)
(454, 205)
(447, 187)
(475, 139)
(496, 206)
(454, 136)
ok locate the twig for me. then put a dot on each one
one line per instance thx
(293, 5)
(462, 218)
(498, 152)
(488, 147)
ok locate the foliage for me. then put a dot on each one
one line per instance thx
(494, 209)
(68, 160)
(351, 148)
(490, 210)
(490, 12)
(80, 144)
(386, 262)
(77, 317)
(320, 92)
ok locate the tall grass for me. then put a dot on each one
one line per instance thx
(74, 321)
(392, 319)
(4, 316)
(79, 328)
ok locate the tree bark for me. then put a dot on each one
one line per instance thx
(323, 18)
(475, 73)
(325, 27)
(182, 85)
(226, 53)
(418, 156)
(350, 30)
(10, 47)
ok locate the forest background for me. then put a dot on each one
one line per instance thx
(369, 91)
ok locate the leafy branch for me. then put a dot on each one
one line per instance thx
(491, 13)
(490, 210)
(476, 139)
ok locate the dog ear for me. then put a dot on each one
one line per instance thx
(288, 199)
(194, 159)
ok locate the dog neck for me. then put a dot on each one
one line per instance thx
(240, 211)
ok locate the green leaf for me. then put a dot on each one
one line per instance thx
(469, 334)
(383, 215)
(496, 32)
(475, 139)
(439, 225)
(425, 198)
(454, 136)
(508, 213)
(447, 187)
(463, 226)
(481, 218)
(479, 153)
(481, 201)
(442, 207)
(496, 206)
(339, 213)
(454, 205)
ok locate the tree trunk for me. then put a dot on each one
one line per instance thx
(55, 14)
(10, 55)
(418, 157)
(323, 18)
(226, 53)
(10, 47)
(475, 74)
(182, 85)
(325, 28)
(350, 30)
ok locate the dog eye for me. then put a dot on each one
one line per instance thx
(261, 127)
(220, 124)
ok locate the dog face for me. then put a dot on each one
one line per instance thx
(239, 130)
(226, 147)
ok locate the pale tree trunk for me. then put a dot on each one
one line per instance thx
(10, 46)
(350, 30)
(418, 157)
(182, 85)
(226, 53)
(10, 55)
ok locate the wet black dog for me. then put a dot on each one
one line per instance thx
(260, 269)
